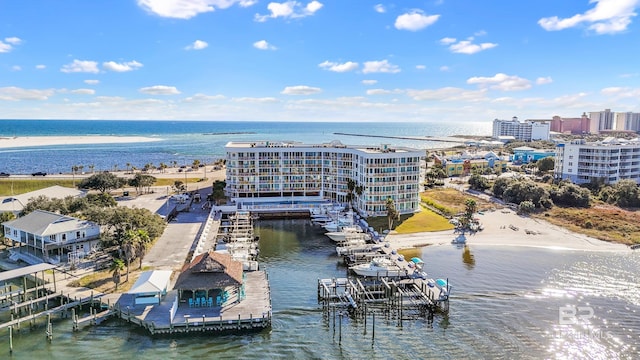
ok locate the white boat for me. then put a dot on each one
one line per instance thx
(379, 266)
(364, 247)
(339, 236)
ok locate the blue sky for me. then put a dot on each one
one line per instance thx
(320, 60)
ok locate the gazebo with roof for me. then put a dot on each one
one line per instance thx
(210, 279)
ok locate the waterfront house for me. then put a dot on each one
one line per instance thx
(15, 203)
(43, 236)
(211, 279)
(151, 287)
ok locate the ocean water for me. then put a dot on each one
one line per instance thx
(505, 304)
(185, 141)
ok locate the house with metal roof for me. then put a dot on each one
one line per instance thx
(15, 203)
(43, 236)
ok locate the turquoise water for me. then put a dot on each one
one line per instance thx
(185, 141)
(505, 305)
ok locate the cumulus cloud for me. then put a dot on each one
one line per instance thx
(203, 97)
(415, 20)
(544, 80)
(253, 100)
(500, 81)
(445, 68)
(16, 68)
(606, 17)
(301, 90)
(447, 94)
(379, 8)
(263, 45)
(81, 66)
(159, 90)
(12, 93)
(289, 10)
(83, 91)
(91, 82)
(369, 82)
(337, 67)
(186, 9)
(420, 67)
(41, 67)
(197, 45)
(465, 46)
(383, 66)
(382, 92)
(121, 67)
(8, 43)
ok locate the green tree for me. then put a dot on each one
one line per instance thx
(5, 216)
(569, 194)
(478, 182)
(196, 164)
(102, 182)
(117, 265)
(545, 164)
(499, 186)
(626, 193)
(392, 212)
(141, 181)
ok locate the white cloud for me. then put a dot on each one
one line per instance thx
(253, 100)
(197, 45)
(186, 9)
(91, 82)
(380, 67)
(607, 17)
(369, 82)
(83, 91)
(6, 46)
(263, 45)
(379, 8)
(421, 67)
(121, 67)
(159, 90)
(447, 94)
(83, 66)
(415, 20)
(203, 97)
(621, 92)
(445, 68)
(382, 92)
(41, 67)
(16, 68)
(500, 81)
(337, 67)
(13, 93)
(289, 9)
(301, 90)
(544, 80)
(465, 46)
(447, 40)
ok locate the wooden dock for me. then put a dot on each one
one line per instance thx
(252, 313)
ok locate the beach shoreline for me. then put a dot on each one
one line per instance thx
(32, 141)
(503, 227)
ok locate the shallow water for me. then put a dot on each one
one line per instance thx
(505, 304)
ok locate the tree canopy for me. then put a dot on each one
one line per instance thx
(102, 182)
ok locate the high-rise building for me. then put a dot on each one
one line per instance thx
(523, 131)
(609, 160)
(628, 121)
(272, 171)
(574, 126)
(602, 120)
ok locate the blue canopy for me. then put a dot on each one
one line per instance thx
(417, 260)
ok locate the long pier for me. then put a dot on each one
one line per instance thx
(448, 139)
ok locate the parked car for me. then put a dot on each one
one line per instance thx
(4, 174)
(39, 173)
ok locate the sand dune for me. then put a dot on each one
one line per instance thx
(27, 141)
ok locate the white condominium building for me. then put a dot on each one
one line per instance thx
(522, 131)
(610, 160)
(270, 171)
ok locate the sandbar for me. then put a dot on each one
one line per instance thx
(32, 141)
(503, 227)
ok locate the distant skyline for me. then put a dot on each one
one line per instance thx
(333, 60)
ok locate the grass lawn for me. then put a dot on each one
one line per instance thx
(102, 280)
(451, 201)
(425, 220)
(16, 187)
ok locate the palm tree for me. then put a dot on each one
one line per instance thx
(392, 212)
(129, 244)
(128, 166)
(92, 167)
(74, 169)
(142, 247)
(116, 270)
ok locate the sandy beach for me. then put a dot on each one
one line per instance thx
(525, 231)
(26, 141)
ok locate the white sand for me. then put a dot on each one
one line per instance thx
(498, 233)
(24, 141)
